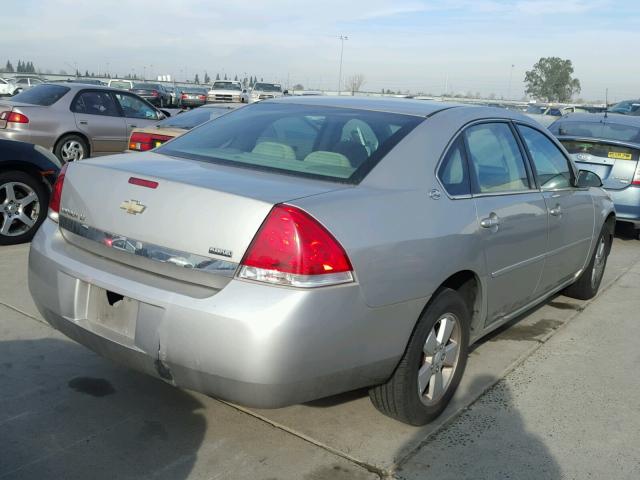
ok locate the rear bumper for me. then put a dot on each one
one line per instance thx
(627, 203)
(248, 343)
(192, 103)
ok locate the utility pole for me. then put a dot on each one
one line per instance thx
(342, 38)
(510, 78)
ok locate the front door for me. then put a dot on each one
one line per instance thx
(98, 117)
(512, 217)
(138, 113)
(570, 209)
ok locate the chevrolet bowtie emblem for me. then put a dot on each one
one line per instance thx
(133, 207)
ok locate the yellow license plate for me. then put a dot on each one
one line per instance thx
(620, 155)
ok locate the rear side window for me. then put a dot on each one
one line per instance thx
(43, 95)
(319, 142)
(453, 172)
(552, 167)
(496, 160)
(95, 103)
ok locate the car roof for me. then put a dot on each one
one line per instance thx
(421, 108)
(608, 117)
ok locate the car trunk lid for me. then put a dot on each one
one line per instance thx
(191, 213)
(614, 162)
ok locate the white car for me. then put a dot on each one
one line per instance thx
(121, 84)
(262, 91)
(7, 87)
(225, 91)
(25, 83)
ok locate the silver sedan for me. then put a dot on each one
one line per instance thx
(302, 247)
(75, 121)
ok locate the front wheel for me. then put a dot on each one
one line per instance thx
(589, 281)
(431, 368)
(23, 206)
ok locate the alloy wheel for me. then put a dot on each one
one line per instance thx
(19, 208)
(598, 263)
(441, 352)
(72, 150)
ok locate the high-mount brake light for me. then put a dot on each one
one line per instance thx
(292, 248)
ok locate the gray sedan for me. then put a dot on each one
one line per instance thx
(302, 247)
(75, 121)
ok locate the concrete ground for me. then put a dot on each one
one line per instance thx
(549, 396)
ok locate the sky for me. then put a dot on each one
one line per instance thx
(483, 46)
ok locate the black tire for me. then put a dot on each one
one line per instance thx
(588, 283)
(400, 397)
(59, 150)
(36, 211)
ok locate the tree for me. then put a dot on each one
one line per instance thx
(62, 72)
(298, 86)
(551, 80)
(196, 80)
(9, 67)
(207, 79)
(354, 83)
(225, 76)
(235, 79)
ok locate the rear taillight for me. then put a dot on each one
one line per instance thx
(184, 96)
(14, 117)
(56, 194)
(202, 97)
(146, 141)
(154, 93)
(292, 248)
(636, 176)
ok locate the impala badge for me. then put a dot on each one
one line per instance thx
(133, 207)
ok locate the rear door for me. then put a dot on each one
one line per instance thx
(512, 217)
(98, 117)
(571, 211)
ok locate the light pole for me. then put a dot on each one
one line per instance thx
(510, 78)
(342, 38)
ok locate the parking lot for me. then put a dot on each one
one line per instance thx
(541, 398)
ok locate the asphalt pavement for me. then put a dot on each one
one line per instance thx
(553, 395)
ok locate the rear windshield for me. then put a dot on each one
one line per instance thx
(602, 150)
(146, 86)
(44, 95)
(189, 120)
(200, 91)
(606, 131)
(337, 144)
(125, 85)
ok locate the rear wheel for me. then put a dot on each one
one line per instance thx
(588, 283)
(71, 148)
(23, 207)
(432, 366)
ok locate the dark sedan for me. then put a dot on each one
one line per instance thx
(193, 97)
(154, 93)
(27, 175)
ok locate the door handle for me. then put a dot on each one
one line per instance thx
(83, 122)
(556, 211)
(133, 126)
(492, 221)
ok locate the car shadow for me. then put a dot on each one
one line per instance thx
(626, 232)
(67, 414)
(489, 440)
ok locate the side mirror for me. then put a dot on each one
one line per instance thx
(588, 179)
(166, 113)
(286, 92)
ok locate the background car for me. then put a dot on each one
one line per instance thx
(608, 145)
(192, 97)
(174, 95)
(303, 247)
(154, 93)
(26, 82)
(75, 120)
(7, 87)
(121, 84)
(27, 174)
(225, 91)
(143, 139)
(626, 107)
(262, 91)
(547, 114)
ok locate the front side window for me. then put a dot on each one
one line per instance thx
(496, 160)
(453, 172)
(135, 108)
(296, 140)
(95, 103)
(551, 166)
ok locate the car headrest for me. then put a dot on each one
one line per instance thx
(274, 149)
(328, 158)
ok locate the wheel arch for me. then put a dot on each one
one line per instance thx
(74, 132)
(27, 168)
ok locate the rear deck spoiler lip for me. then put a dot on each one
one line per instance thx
(618, 143)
